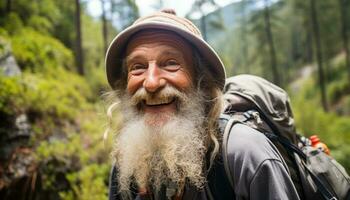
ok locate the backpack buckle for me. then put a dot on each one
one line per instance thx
(252, 114)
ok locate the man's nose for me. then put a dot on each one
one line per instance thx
(154, 80)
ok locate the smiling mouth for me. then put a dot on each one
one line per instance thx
(159, 102)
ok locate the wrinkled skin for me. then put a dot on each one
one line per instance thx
(155, 60)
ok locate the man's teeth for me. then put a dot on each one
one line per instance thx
(154, 102)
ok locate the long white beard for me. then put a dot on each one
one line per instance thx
(153, 155)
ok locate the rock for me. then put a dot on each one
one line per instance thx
(16, 160)
(22, 126)
(8, 64)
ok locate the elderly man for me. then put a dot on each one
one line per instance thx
(167, 84)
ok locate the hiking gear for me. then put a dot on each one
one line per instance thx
(315, 175)
(315, 142)
(168, 22)
(252, 161)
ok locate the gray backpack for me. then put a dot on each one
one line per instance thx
(254, 101)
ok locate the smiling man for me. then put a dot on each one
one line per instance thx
(168, 95)
(167, 84)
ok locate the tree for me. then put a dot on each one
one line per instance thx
(8, 6)
(104, 27)
(316, 33)
(126, 12)
(269, 36)
(344, 28)
(198, 6)
(79, 49)
(244, 35)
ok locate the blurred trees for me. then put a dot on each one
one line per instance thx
(308, 41)
(278, 39)
(49, 148)
(270, 42)
(124, 12)
(262, 27)
(318, 46)
(104, 26)
(78, 45)
(343, 4)
(243, 33)
(199, 7)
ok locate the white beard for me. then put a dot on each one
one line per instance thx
(153, 155)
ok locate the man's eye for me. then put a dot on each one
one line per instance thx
(171, 65)
(137, 69)
(171, 62)
(137, 66)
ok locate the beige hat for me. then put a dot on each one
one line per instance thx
(164, 21)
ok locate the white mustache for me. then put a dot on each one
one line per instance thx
(164, 96)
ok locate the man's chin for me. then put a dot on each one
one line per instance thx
(159, 115)
(157, 119)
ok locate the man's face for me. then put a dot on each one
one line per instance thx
(154, 61)
(162, 136)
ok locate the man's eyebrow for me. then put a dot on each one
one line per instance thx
(171, 53)
(132, 57)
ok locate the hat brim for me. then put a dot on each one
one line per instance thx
(115, 51)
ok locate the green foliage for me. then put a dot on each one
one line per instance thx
(338, 82)
(41, 24)
(97, 81)
(332, 129)
(40, 8)
(60, 94)
(44, 94)
(12, 23)
(87, 184)
(40, 53)
(60, 104)
(11, 95)
(94, 53)
(81, 156)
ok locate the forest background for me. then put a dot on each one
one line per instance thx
(52, 78)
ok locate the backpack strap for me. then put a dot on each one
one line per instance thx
(220, 185)
(325, 192)
(320, 185)
(226, 122)
(112, 186)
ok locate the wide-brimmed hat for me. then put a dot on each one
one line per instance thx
(162, 21)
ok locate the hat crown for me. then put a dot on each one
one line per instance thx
(170, 19)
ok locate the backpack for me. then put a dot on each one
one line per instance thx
(261, 105)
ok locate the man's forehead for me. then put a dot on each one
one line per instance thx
(159, 37)
(170, 52)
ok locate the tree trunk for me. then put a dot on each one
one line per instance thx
(343, 14)
(104, 27)
(244, 36)
(276, 77)
(8, 6)
(309, 51)
(203, 25)
(79, 49)
(317, 40)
